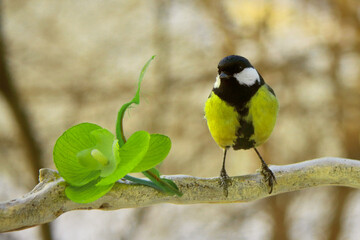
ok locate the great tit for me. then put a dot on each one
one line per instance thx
(241, 111)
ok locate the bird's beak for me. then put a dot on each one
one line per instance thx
(224, 76)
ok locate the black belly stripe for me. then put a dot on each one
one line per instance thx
(245, 131)
(238, 96)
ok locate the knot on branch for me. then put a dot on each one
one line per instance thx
(48, 175)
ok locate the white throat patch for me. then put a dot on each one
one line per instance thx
(248, 76)
(217, 82)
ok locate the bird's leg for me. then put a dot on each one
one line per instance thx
(224, 178)
(266, 172)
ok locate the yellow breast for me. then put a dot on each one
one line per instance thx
(263, 110)
(222, 120)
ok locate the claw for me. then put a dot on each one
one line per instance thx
(225, 182)
(268, 176)
(266, 172)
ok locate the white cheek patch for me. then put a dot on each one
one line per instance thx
(217, 82)
(248, 76)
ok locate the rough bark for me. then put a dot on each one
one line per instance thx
(47, 200)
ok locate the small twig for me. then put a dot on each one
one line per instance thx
(47, 200)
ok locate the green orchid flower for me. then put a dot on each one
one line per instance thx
(91, 159)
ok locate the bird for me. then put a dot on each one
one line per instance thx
(241, 112)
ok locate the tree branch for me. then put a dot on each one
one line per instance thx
(47, 200)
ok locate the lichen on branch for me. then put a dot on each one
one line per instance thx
(47, 200)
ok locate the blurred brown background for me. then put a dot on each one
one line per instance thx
(66, 62)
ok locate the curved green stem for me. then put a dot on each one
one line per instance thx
(119, 121)
(142, 182)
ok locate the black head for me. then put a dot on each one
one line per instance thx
(233, 64)
(237, 81)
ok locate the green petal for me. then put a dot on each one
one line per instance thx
(68, 145)
(159, 148)
(130, 155)
(87, 160)
(113, 160)
(104, 143)
(87, 193)
(104, 140)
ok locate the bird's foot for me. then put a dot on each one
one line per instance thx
(268, 176)
(225, 182)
